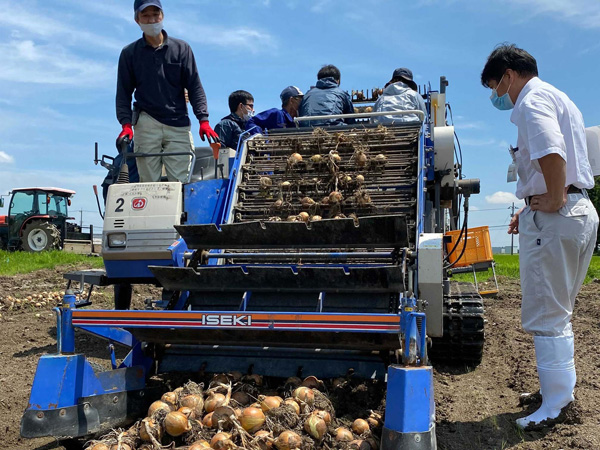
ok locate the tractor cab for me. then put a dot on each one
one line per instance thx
(36, 220)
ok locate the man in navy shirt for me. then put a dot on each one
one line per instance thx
(158, 69)
(229, 129)
(326, 99)
(291, 97)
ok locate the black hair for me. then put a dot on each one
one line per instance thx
(508, 56)
(329, 71)
(237, 97)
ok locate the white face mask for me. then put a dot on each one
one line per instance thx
(152, 29)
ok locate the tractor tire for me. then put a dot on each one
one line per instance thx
(40, 236)
(463, 339)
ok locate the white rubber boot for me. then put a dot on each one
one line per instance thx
(556, 371)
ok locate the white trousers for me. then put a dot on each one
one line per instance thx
(151, 136)
(555, 250)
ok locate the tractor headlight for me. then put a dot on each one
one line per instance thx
(117, 240)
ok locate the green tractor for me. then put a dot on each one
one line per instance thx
(37, 220)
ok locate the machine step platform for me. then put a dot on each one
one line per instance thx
(278, 278)
(374, 232)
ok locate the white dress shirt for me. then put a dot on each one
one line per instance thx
(548, 122)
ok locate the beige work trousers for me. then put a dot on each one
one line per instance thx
(555, 250)
(151, 136)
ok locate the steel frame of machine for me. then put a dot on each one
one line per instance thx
(70, 399)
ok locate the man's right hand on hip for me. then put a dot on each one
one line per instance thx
(125, 137)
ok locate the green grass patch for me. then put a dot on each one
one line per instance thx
(508, 266)
(12, 263)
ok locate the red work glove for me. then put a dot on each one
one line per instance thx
(125, 137)
(206, 130)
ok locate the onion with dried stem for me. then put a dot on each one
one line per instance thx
(288, 440)
(292, 404)
(359, 444)
(207, 420)
(199, 445)
(252, 419)
(214, 401)
(305, 395)
(303, 216)
(176, 423)
(158, 404)
(360, 426)
(269, 402)
(98, 446)
(325, 415)
(150, 431)
(315, 426)
(195, 402)
(343, 435)
(218, 440)
(170, 398)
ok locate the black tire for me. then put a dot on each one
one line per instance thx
(464, 337)
(39, 237)
(123, 294)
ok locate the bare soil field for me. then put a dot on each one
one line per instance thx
(476, 407)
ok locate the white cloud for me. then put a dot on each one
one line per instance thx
(5, 158)
(582, 13)
(240, 39)
(27, 62)
(502, 198)
(20, 20)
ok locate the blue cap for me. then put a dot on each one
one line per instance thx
(406, 75)
(140, 5)
(289, 92)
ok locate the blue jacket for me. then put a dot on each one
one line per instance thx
(229, 129)
(271, 118)
(326, 98)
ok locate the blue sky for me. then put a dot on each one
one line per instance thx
(58, 74)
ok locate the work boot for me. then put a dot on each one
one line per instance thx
(556, 372)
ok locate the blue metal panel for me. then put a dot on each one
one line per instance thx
(113, 334)
(60, 380)
(133, 269)
(178, 249)
(409, 403)
(204, 200)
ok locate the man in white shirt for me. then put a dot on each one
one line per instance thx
(557, 227)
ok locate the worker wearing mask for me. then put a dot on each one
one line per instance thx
(291, 97)
(326, 99)
(229, 129)
(558, 221)
(400, 94)
(158, 68)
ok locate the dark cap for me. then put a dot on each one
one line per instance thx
(406, 77)
(289, 92)
(140, 5)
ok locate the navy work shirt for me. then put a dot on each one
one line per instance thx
(326, 99)
(158, 76)
(229, 130)
(269, 119)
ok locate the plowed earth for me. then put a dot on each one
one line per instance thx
(475, 407)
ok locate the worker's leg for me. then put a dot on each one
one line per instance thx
(177, 139)
(148, 138)
(555, 252)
